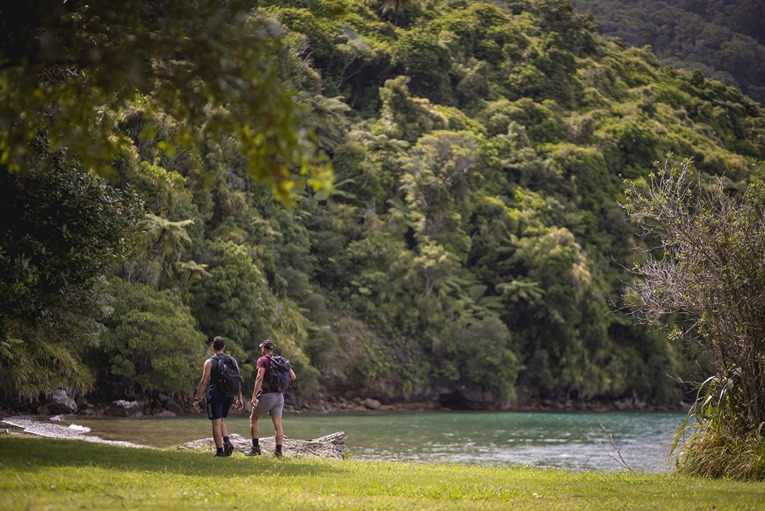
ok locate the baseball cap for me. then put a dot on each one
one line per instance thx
(268, 344)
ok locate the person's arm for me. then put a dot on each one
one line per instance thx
(239, 400)
(292, 375)
(202, 384)
(258, 385)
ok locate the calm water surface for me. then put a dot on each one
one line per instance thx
(574, 440)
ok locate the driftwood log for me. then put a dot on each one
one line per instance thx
(329, 446)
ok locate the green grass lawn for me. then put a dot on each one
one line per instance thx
(39, 473)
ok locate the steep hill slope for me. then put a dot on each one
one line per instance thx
(725, 40)
(474, 251)
(476, 237)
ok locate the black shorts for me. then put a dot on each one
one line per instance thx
(218, 406)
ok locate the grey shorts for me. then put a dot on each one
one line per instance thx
(271, 403)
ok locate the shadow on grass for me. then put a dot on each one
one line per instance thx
(26, 453)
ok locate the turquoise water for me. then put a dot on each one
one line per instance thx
(575, 440)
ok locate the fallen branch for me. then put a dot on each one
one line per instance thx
(618, 458)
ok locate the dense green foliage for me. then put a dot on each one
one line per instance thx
(473, 250)
(67, 66)
(151, 339)
(81, 85)
(47, 473)
(723, 39)
(61, 231)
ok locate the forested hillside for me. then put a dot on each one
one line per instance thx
(473, 251)
(724, 39)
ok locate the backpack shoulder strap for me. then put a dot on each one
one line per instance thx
(216, 361)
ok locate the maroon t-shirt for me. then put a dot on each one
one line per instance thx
(265, 362)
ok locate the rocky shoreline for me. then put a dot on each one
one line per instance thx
(172, 408)
(334, 404)
(60, 403)
(329, 446)
(28, 425)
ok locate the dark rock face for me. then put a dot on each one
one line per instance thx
(172, 406)
(59, 402)
(124, 409)
(372, 404)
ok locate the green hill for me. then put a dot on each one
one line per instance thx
(474, 248)
(725, 40)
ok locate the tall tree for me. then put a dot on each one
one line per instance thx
(397, 7)
(152, 343)
(63, 63)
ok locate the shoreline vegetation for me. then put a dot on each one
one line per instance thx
(41, 473)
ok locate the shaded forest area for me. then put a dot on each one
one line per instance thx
(473, 250)
(724, 39)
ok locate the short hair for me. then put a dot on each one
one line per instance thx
(219, 343)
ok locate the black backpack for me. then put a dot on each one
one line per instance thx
(279, 374)
(227, 376)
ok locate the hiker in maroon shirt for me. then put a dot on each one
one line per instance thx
(267, 400)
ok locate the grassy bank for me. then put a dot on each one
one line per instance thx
(38, 473)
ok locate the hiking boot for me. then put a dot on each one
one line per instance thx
(277, 453)
(228, 449)
(220, 455)
(254, 451)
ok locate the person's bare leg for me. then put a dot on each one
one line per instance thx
(278, 431)
(216, 431)
(254, 430)
(254, 433)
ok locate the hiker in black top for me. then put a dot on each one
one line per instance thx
(217, 403)
(266, 400)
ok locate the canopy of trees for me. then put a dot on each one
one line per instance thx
(723, 39)
(473, 248)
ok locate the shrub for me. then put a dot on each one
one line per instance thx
(710, 269)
